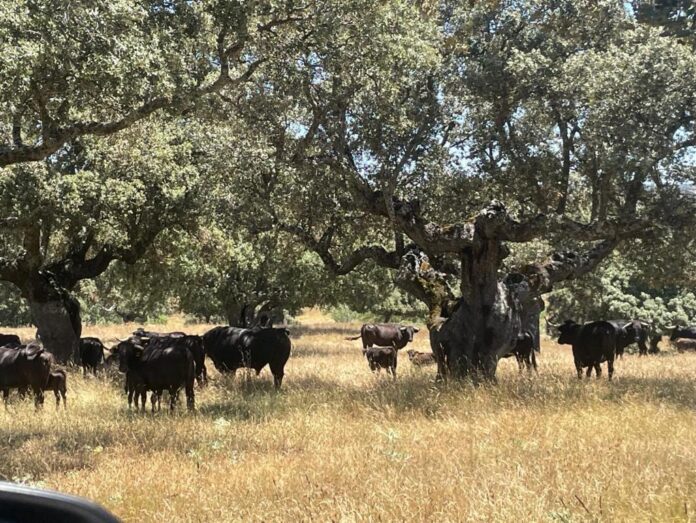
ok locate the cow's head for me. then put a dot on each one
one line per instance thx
(568, 332)
(408, 332)
(127, 352)
(32, 352)
(411, 354)
(631, 331)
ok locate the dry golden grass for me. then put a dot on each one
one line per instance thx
(339, 443)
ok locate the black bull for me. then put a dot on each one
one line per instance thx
(22, 367)
(232, 348)
(593, 343)
(158, 368)
(683, 332)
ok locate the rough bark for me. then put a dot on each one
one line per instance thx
(56, 314)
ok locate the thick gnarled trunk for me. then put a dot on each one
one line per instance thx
(57, 317)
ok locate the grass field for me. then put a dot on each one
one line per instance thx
(340, 444)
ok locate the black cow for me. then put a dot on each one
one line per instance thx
(22, 367)
(683, 332)
(593, 343)
(382, 358)
(157, 368)
(385, 335)
(232, 348)
(91, 354)
(632, 331)
(524, 351)
(9, 340)
(193, 343)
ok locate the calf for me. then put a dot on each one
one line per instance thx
(91, 354)
(593, 343)
(420, 359)
(57, 382)
(682, 344)
(523, 351)
(382, 358)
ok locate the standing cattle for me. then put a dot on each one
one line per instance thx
(420, 359)
(524, 352)
(232, 348)
(385, 335)
(593, 343)
(157, 368)
(57, 382)
(192, 343)
(24, 366)
(682, 344)
(632, 331)
(683, 332)
(91, 354)
(382, 358)
(9, 340)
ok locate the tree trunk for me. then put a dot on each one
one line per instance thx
(485, 324)
(233, 311)
(57, 316)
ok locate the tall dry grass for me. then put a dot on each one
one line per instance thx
(339, 443)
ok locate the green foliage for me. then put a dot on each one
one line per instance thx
(14, 311)
(618, 291)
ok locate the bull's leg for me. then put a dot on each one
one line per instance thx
(520, 362)
(190, 396)
(610, 367)
(38, 398)
(578, 369)
(598, 370)
(173, 395)
(589, 372)
(65, 399)
(5, 396)
(57, 394)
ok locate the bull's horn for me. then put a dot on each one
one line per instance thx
(554, 325)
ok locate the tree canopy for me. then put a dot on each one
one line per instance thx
(256, 156)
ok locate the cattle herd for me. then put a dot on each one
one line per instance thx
(154, 362)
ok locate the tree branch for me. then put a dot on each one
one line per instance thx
(53, 138)
(565, 266)
(376, 253)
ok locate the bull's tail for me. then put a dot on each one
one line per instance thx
(356, 338)
(534, 361)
